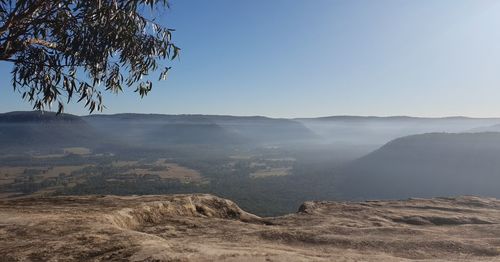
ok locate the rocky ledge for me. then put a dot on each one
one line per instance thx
(208, 228)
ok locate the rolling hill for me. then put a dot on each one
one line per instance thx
(161, 130)
(436, 164)
(37, 130)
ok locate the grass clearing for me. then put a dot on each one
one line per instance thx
(168, 171)
(280, 171)
(77, 150)
(9, 174)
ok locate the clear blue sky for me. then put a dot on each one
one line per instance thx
(291, 58)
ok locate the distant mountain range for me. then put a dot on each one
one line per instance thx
(437, 164)
(36, 129)
(161, 130)
(37, 117)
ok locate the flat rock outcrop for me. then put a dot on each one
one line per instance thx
(201, 227)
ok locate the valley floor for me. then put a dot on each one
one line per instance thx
(208, 228)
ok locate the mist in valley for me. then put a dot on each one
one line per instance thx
(268, 166)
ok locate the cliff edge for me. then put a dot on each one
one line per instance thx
(201, 227)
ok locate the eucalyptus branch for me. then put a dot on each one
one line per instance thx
(110, 43)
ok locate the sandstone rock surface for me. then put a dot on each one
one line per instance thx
(207, 228)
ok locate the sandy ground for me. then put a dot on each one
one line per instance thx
(207, 228)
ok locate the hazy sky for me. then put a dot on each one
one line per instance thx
(291, 58)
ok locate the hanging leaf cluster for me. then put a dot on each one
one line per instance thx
(77, 49)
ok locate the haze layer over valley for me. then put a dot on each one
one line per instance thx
(268, 166)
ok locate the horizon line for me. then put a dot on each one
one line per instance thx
(272, 117)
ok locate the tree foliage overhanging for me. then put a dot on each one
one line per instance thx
(77, 49)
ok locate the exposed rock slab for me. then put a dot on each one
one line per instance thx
(208, 228)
